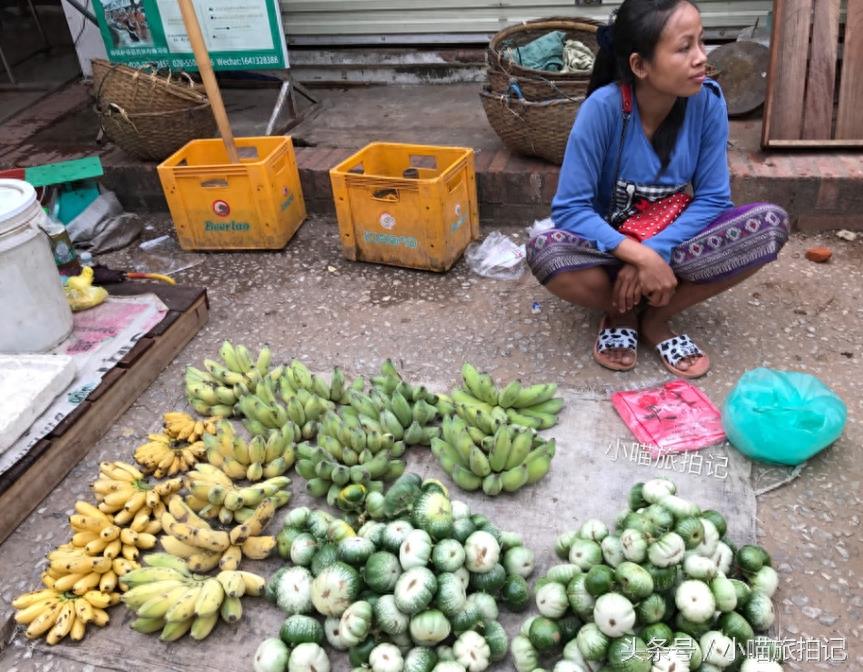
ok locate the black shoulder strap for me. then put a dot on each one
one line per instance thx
(626, 110)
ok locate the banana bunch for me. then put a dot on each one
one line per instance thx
(348, 461)
(191, 537)
(297, 377)
(123, 491)
(167, 597)
(162, 455)
(208, 395)
(266, 407)
(92, 559)
(482, 405)
(55, 614)
(264, 456)
(213, 494)
(504, 462)
(181, 426)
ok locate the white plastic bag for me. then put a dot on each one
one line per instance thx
(539, 226)
(496, 257)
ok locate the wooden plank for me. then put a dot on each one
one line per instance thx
(813, 144)
(136, 352)
(106, 383)
(175, 297)
(789, 52)
(21, 466)
(821, 85)
(65, 452)
(849, 121)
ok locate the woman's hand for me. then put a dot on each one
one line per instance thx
(656, 278)
(627, 289)
(658, 281)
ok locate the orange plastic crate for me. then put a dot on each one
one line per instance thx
(216, 205)
(407, 205)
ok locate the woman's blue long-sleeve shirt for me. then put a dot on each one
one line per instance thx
(699, 159)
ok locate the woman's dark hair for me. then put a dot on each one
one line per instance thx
(636, 29)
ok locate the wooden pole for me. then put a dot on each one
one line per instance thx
(205, 67)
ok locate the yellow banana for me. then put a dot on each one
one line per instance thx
(63, 624)
(44, 622)
(231, 558)
(34, 597)
(254, 583)
(210, 598)
(28, 614)
(258, 548)
(184, 607)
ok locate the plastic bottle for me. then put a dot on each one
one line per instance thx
(62, 248)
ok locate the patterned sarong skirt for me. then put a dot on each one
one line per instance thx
(740, 238)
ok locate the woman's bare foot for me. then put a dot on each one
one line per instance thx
(616, 358)
(654, 331)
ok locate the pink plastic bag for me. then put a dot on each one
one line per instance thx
(673, 418)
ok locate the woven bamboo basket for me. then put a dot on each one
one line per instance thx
(138, 91)
(536, 89)
(531, 128)
(154, 136)
(575, 28)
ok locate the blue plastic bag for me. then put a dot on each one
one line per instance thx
(783, 417)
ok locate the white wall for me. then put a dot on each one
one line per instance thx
(89, 45)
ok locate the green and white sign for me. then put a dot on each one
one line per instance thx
(239, 34)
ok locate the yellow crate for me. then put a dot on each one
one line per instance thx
(256, 204)
(406, 205)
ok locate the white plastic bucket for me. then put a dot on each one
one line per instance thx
(35, 314)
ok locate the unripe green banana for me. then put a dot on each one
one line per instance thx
(337, 385)
(521, 444)
(518, 418)
(500, 451)
(401, 408)
(535, 394)
(465, 478)
(491, 485)
(317, 487)
(515, 478)
(509, 394)
(546, 420)
(479, 463)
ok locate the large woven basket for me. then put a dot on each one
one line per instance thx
(532, 128)
(154, 136)
(535, 89)
(575, 28)
(143, 90)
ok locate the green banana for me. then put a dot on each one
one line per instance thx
(518, 418)
(470, 376)
(500, 451)
(302, 376)
(515, 478)
(467, 399)
(492, 485)
(521, 444)
(401, 408)
(553, 406)
(337, 385)
(537, 467)
(317, 487)
(414, 434)
(320, 387)
(535, 394)
(262, 363)
(546, 420)
(478, 463)
(509, 394)
(465, 478)
(488, 390)
(445, 405)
